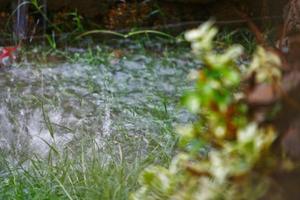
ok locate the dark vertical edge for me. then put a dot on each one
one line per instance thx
(45, 11)
(20, 9)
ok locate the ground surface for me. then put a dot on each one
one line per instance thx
(105, 104)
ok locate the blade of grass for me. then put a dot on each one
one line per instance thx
(100, 32)
(47, 120)
(63, 188)
(159, 33)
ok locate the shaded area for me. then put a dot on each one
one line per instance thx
(70, 16)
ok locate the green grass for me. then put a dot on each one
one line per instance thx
(83, 170)
(80, 175)
(241, 36)
(111, 172)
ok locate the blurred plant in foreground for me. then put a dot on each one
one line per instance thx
(224, 155)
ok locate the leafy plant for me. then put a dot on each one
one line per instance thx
(224, 155)
(41, 9)
(51, 40)
(77, 20)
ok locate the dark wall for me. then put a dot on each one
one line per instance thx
(92, 8)
(115, 14)
(89, 8)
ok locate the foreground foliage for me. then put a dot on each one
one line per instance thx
(224, 154)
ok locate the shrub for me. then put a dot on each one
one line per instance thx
(224, 154)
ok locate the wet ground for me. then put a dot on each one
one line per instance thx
(120, 100)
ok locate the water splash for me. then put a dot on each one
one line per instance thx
(120, 101)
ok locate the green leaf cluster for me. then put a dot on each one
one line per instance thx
(223, 155)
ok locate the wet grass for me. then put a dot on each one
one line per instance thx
(71, 94)
(136, 86)
(74, 178)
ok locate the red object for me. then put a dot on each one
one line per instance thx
(8, 55)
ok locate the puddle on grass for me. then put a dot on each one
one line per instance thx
(128, 103)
